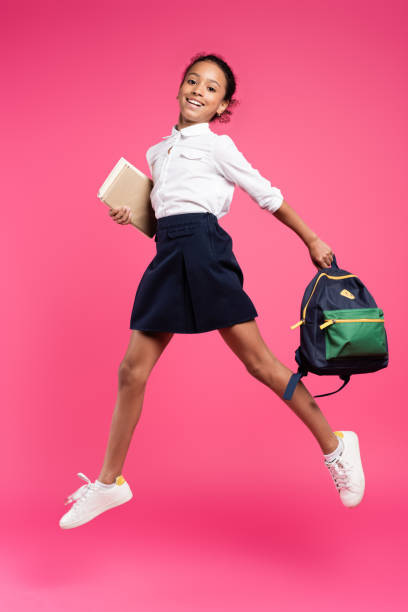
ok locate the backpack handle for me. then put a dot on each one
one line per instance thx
(333, 264)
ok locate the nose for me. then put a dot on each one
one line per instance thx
(197, 90)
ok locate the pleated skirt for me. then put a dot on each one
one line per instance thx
(194, 283)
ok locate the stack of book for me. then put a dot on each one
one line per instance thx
(127, 186)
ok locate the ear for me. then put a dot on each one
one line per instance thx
(222, 107)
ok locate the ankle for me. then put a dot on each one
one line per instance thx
(334, 455)
(106, 479)
(330, 445)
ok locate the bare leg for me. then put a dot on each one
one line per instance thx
(247, 343)
(143, 352)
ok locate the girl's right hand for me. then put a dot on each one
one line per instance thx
(121, 215)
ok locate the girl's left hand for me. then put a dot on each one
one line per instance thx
(320, 253)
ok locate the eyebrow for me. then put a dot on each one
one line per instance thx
(196, 73)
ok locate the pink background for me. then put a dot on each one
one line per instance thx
(233, 508)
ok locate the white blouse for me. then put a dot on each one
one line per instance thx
(200, 173)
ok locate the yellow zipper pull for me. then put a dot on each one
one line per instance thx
(327, 323)
(298, 324)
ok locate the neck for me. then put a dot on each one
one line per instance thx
(182, 123)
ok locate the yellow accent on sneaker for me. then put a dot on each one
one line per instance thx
(120, 480)
(339, 434)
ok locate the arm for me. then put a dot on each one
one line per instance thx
(320, 252)
(234, 166)
(237, 169)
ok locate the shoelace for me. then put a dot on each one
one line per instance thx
(340, 471)
(79, 494)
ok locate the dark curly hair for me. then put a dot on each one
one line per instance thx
(229, 76)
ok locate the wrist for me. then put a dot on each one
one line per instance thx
(311, 239)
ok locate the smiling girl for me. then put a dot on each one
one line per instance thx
(194, 284)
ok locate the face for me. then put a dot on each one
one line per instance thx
(204, 83)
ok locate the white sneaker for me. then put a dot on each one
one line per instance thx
(347, 470)
(91, 500)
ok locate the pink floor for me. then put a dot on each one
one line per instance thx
(290, 547)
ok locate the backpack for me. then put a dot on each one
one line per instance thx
(342, 330)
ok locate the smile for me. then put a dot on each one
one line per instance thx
(194, 102)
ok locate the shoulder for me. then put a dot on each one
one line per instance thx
(225, 149)
(224, 144)
(223, 141)
(155, 150)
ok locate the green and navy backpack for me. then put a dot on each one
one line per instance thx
(341, 329)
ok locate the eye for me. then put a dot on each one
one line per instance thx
(193, 81)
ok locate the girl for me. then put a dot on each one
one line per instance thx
(194, 283)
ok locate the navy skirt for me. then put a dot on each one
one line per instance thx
(194, 283)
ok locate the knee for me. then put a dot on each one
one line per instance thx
(256, 367)
(263, 369)
(132, 374)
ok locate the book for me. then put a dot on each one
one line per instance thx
(125, 185)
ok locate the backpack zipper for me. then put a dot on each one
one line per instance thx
(331, 321)
(302, 320)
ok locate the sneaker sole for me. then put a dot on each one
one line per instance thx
(97, 513)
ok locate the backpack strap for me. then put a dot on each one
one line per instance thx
(345, 377)
(293, 381)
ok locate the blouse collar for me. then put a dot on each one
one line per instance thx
(190, 130)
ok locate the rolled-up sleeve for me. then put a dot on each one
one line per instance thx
(232, 164)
